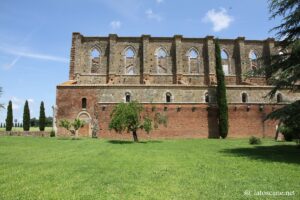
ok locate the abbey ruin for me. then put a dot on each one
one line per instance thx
(173, 75)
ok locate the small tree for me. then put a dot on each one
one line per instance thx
(127, 117)
(221, 94)
(9, 117)
(26, 117)
(73, 127)
(42, 118)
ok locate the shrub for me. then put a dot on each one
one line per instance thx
(9, 118)
(254, 140)
(287, 132)
(221, 94)
(42, 118)
(52, 133)
(26, 117)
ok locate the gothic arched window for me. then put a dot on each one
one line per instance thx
(193, 59)
(225, 62)
(161, 60)
(253, 60)
(129, 57)
(95, 60)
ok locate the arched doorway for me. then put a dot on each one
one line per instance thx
(85, 131)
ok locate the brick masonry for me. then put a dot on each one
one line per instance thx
(105, 80)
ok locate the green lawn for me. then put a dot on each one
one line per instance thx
(31, 129)
(51, 168)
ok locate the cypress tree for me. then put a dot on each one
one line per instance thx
(221, 94)
(9, 117)
(1, 125)
(42, 119)
(26, 117)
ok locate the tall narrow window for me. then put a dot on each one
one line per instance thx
(279, 98)
(127, 97)
(129, 55)
(161, 60)
(225, 62)
(193, 59)
(206, 98)
(95, 60)
(244, 97)
(83, 103)
(168, 97)
(253, 60)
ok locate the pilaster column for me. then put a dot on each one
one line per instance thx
(177, 72)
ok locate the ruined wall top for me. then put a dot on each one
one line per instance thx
(165, 60)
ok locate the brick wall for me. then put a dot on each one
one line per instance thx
(197, 120)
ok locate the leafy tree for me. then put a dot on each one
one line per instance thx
(34, 122)
(1, 125)
(290, 118)
(49, 121)
(72, 127)
(221, 94)
(285, 67)
(42, 118)
(9, 117)
(26, 117)
(127, 117)
(283, 70)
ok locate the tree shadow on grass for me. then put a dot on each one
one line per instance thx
(132, 142)
(276, 153)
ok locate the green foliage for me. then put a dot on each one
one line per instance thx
(147, 125)
(160, 119)
(52, 133)
(9, 117)
(254, 140)
(289, 115)
(65, 124)
(42, 118)
(72, 127)
(127, 117)
(221, 94)
(287, 132)
(26, 117)
(289, 29)
(77, 124)
(283, 70)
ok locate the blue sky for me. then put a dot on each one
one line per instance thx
(35, 35)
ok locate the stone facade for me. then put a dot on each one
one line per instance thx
(176, 75)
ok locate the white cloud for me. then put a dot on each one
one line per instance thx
(159, 1)
(115, 24)
(220, 19)
(26, 53)
(19, 103)
(151, 15)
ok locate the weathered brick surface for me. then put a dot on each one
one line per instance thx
(104, 81)
(184, 120)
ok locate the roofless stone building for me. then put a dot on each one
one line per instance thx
(173, 75)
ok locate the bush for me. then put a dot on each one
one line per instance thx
(254, 140)
(288, 133)
(52, 133)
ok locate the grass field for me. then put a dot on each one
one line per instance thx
(31, 129)
(51, 168)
